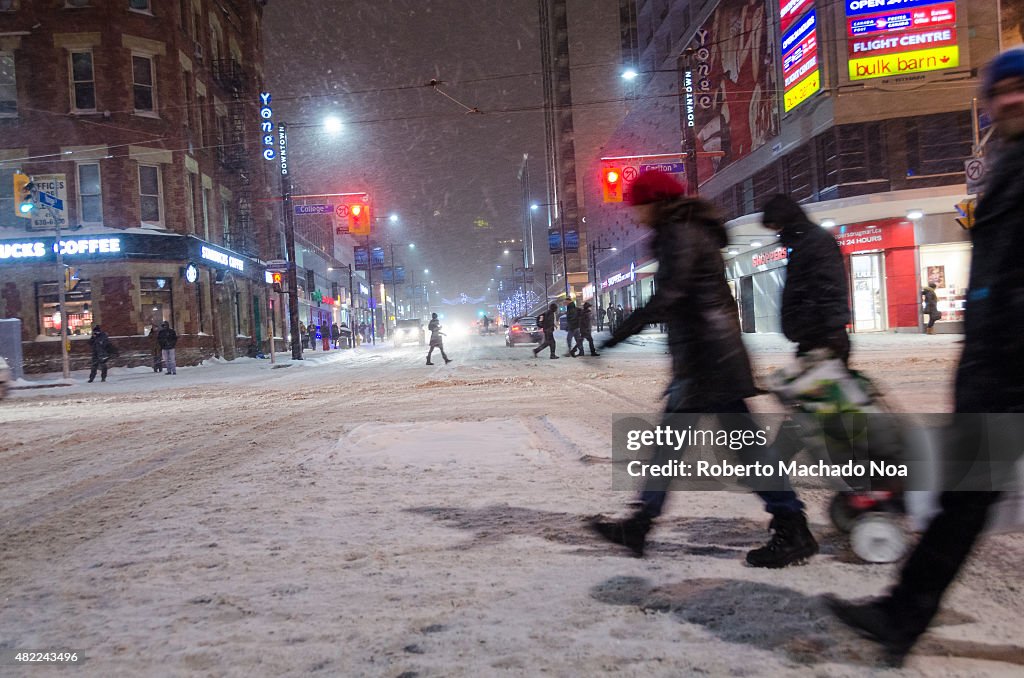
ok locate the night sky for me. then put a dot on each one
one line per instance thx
(418, 153)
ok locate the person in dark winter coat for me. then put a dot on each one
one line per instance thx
(547, 321)
(815, 299)
(101, 350)
(168, 339)
(989, 378)
(710, 368)
(586, 327)
(435, 339)
(930, 306)
(158, 360)
(335, 334)
(573, 340)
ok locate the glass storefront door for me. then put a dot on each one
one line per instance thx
(868, 284)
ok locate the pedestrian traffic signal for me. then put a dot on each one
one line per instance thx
(276, 281)
(23, 204)
(965, 208)
(359, 219)
(611, 184)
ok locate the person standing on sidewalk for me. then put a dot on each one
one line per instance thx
(989, 378)
(815, 298)
(435, 339)
(710, 368)
(586, 328)
(547, 324)
(930, 306)
(168, 339)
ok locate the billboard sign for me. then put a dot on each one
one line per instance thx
(735, 95)
(886, 38)
(377, 258)
(790, 11)
(361, 258)
(801, 74)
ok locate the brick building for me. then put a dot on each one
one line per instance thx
(142, 117)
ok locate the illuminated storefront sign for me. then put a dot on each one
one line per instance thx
(36, 249)
(267, 127)
(801, 74)
(890, 38)
(900, 64)
(854, 7)
(790, 11)
(771, 256)
(218, 257)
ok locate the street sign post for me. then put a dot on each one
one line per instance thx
(55, 187)
(313, 209)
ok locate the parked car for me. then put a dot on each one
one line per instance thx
(410, 331)
(5, 377)
(523, 331)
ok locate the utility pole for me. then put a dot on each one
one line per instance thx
(289, 242)
(394, 281)
(369, 282)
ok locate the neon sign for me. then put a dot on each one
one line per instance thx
(267, 126)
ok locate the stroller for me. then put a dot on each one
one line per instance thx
(818, 388)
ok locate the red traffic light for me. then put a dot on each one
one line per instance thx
(277, 280)
(611, 176)
(611, 184)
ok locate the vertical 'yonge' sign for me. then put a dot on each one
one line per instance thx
(267, 127)
(801, 75)
(887, 38)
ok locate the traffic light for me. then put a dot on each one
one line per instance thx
(277, 281)
(965, 208)
(23, 204)
(611, 184)
(359, 219)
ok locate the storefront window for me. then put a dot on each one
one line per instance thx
(78, 303)
(947, 266)
(155, 299)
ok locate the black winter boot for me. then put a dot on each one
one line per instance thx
(630, 532)
(792, 543)
(875, 621)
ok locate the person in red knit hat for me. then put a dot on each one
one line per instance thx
(710, 367)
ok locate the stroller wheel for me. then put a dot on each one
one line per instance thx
(843, 516)
(876, 538)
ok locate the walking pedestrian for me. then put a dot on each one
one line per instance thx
(930, 306)
(303, 334)
(710, 369)
(989, 378)
(168, 339)
(101, 350)
(335, 335)
(572, 326)
(815, 298)
(586, 323)
(619, 317)
(546, 322)
(435, 339)
(611, 318)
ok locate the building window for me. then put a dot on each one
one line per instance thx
(190, 202)
(8, 5)
(139, 5)
(7, 214)
(206, 214)
(83, 83)
(78, 303)
(200, 120)
(947, 266)
(90, 198)
(156, 302)
(225, 216)
(150, 203)
(143, 88)
(8, 87)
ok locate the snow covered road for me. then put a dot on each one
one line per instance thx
(360, 513)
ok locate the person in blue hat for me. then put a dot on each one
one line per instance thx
(989, 378)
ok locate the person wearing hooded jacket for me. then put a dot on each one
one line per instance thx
(815, 298)
(989, 378)
(710, 368)
(99, 342)
(572, 326)
(586, 328)
(168, 339)
(546, 321)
